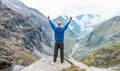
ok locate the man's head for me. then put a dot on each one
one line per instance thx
(59, 24)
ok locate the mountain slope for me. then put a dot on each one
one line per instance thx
(106, 32)
(102, 45)
(23, 33)
(30, 23)
(105, 57)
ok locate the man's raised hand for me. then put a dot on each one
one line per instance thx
(48, 17)
(70, 18)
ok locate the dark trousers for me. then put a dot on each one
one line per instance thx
(59, 45)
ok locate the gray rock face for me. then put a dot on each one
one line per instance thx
(26, 24)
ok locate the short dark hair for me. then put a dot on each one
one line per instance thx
(59, 24)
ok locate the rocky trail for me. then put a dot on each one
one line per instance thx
(46, 64)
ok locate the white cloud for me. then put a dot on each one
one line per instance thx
(91, 6)
(73, 7)
(47, 7)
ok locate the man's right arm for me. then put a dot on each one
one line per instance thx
(51, 23)
(65, 27)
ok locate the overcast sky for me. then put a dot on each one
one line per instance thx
(55, 8)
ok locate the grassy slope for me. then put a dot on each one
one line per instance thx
(104, 57)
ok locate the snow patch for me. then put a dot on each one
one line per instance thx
(87, 22)
(16, 6)
(21, 26)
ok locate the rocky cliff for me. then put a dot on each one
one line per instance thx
(24, 33)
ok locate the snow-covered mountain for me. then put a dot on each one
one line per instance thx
(87, 22)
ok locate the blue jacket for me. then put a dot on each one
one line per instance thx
(59, 31)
